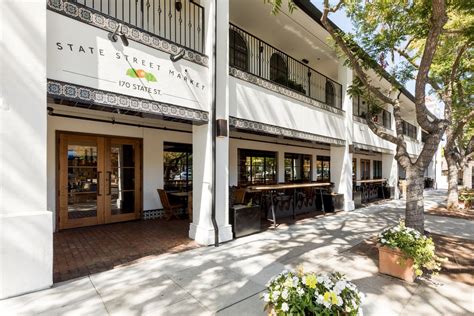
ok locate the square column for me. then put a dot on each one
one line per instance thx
(341, 158)
(202, 229)
(390, 172)
(26, 226)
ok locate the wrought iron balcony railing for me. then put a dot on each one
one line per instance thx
(250, 54)
(180, 21)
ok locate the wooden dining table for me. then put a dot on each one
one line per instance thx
(273, 188)
(187, 196)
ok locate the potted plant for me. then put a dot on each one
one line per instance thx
(465, 200)
(404, 253)
(299, 293)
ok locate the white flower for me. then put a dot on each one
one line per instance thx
(266, 297)
(295, 281)
(300, 291)
(285, 307)
(275, 295)
(284, 294)
(320, 299)
(303, 280)
(339, 301)
(383, 240)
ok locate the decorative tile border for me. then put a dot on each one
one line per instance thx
(95, 18)
(373, 148)
(82, 94)
(281, 90)
(158, 213)
(276, 130)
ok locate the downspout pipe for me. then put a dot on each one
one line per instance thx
(214, 130)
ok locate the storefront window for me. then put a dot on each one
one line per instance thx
(364, 169)
(377, 169)
(257, 167)
(297, 168)
(323, 169)
(177, 166)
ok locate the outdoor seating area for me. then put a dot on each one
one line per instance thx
(272, 202)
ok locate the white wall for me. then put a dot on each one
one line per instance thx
(364, 135)
(26, 238)
(152, 151)
(254, 103)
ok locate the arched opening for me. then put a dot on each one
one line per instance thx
(278, 69)
(330, 94)
(238, 55)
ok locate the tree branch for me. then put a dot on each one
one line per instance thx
(438, 20)
(350, 55)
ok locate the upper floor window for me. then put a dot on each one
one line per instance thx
(409, 130)
(238, 54)
(330, 94)
(278, 69)
(360, 108)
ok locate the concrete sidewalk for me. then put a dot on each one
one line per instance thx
(229, 279)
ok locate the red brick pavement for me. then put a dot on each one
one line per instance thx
(83, 251)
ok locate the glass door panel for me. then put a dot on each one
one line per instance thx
(123, 180)
(82, 180)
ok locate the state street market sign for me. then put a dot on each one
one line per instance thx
(80, 56)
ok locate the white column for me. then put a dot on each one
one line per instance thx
(341, 159)
(390, 172)
(281, 166)
(222, 112)
(26, 226)
(201, 229)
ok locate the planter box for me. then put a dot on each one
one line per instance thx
(392, 262)
(245, 220)
(333, 202)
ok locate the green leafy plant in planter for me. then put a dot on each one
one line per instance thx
(412, 245)
(298, 293)
(466, 198)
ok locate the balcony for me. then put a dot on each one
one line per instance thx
(360, 110)
(179, 21)
(254, 56)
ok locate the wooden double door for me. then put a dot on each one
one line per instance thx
(99, 179)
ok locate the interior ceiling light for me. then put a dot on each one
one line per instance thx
(113, 36)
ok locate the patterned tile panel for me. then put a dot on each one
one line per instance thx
(276, 130)
(62, 90)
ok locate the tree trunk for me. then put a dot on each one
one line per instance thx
(414, 212)
(452, 183)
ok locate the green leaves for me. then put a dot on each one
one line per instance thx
(150, 77)
(131, 73)
(140, 73)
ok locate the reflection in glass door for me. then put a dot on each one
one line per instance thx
(123, 179)
(99, 180)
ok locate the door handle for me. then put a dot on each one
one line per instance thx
(109, 179)
(98, 183)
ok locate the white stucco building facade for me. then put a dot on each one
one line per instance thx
(89, 125)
